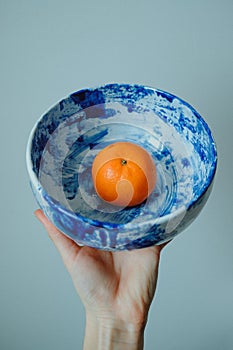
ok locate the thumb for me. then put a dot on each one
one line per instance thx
(67, 248)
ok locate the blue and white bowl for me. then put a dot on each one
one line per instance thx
(65, 140)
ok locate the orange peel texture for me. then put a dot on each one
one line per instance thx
(124, 174)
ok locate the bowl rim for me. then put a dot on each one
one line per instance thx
(100, 224)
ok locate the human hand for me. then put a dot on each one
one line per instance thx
(116, 289)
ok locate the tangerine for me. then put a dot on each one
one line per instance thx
(124, 174)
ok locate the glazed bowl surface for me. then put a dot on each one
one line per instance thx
(65, 140)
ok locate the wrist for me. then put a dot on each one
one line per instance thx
(107, 333)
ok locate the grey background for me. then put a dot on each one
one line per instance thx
(52, 48)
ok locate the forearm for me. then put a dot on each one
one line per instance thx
(111, 335)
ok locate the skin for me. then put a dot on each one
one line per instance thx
(116, 289)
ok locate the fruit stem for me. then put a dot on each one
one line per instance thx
(123, 162)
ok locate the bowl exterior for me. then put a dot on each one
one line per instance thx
(112, 239)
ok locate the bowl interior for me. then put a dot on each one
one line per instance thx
(68, 137)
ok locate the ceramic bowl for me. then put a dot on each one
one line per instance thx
(65, 140)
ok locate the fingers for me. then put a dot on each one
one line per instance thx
(66, 246)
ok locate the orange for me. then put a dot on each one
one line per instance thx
(124, 174)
